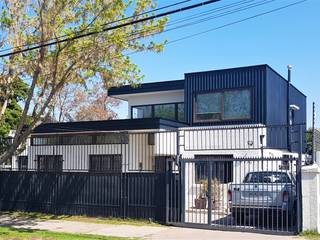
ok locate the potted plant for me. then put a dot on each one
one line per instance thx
(216, 193)
(201, 201)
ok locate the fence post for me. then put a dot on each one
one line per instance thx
(209, 167)
(299, 188)
(167, 191)
(182, 189)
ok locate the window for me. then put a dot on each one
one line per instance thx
(50, 163)
(106, 138)
(208, 106)
(112, 138)
(170, 111)
(105, 163)
(237, 104)
(77, 140)
(221, 170)
(45, 140)
(166, 111)
(267, 177)
(181, 116)
(142, 112)
(23, 163)
(222, 105)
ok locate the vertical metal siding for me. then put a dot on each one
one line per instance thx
(252, 77)
(277, 107)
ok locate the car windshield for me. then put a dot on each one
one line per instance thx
(267, 177)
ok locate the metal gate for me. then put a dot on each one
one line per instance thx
(249, 194)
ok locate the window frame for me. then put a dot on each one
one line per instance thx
(117, 171)
(61, 139)
(222, 91)
(58, 158)
(176, 118)
(22, 159)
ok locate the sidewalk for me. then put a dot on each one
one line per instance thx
(144, 232)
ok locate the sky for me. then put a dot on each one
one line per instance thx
(289, 36)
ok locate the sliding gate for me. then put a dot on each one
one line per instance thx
(260, 195)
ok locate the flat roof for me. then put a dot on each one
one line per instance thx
(106, 125)
(147, 87)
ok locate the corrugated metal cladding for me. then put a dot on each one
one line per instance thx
(246, 77)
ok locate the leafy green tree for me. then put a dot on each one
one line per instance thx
(13, 111)
(98, 57)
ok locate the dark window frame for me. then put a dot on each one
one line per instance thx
(58, 167)
(22, 163)
(176, 117)
(123, 139)
(223, 119)
(115, 170)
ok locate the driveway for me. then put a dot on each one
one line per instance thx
(144, 232)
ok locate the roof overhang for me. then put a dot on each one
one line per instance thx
(146, 88)
(106, 126)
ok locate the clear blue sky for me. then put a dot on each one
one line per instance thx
(290, 36)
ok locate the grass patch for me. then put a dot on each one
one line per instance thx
(7, 233)
(312, 235)
(99, 220)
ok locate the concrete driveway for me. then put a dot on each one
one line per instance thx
(144, 232)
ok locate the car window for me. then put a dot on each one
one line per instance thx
(267, 177)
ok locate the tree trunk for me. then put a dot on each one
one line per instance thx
(3, 108)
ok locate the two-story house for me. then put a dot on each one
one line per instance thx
(238, 112)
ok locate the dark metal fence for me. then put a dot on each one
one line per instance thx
(125, 174)
(234, 194)
(127, 195)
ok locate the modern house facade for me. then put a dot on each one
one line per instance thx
(185, 145)
(231, 113)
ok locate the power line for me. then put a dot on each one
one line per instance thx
(106, 24)
(232, 23)
(233, 11)
(245, 7)
(114, 27)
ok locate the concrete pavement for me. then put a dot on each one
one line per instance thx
(144, 232)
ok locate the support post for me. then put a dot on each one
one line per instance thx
(313, 133)
(288, 109)
(299, 179)
(209, 167)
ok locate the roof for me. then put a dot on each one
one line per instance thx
(147, 87)
(107, 125)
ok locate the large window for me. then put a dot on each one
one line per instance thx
(142, 112)
(222, 105)
(166, 111)
(105, 163)
(50, 163)
(170, 111)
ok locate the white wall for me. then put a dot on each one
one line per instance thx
(311, 198)
(154, 98)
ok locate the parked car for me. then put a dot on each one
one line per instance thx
(263, 194)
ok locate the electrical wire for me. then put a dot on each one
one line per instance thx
(113, 27)
(106, 24)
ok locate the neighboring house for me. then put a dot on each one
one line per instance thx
(230, 113)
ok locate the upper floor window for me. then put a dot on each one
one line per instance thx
(222, 105)
(142, 112)
(166, 111)
(170, 111)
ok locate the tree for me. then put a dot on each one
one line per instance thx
(13, 111)
(77, 103)
(98, 56)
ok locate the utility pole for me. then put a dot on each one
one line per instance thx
(288, 109)
(313, 132)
